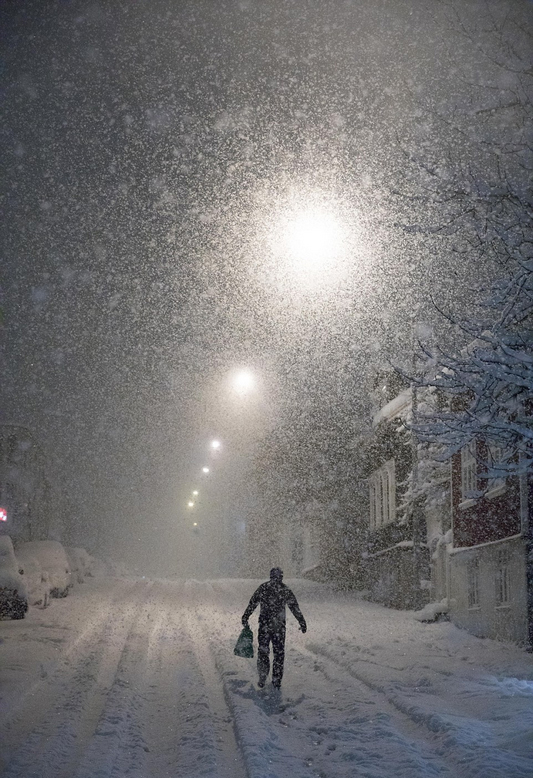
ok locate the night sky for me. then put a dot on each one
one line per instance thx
(151, 153)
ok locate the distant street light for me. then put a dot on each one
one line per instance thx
(215, 445)
(190, 504)
(205, 469)
(195, 493)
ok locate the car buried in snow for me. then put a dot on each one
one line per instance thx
(36, 579)
(53, 559)
(13, 593)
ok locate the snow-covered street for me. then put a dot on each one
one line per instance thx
(138, 678)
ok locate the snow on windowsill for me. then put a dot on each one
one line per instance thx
(393, 408)
(466, 504)
(484, 545)
(496, 492)
(401, 544)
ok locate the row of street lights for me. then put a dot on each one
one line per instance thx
(314, 243)
(214, 446)
(242, 383)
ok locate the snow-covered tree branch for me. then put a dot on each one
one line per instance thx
(487, 389)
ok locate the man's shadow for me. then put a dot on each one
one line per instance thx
(269, 699)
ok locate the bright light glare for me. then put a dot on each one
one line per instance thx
(205, 469)
(190, 504)
(314, 239)
(243, 382)
(215, 444)
(195, 493)
(195, 524)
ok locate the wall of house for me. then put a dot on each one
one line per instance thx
(487, 618)
(486, 518)
(393, 580)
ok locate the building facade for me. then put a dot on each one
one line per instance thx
(472, 530)
(397, 564)
(488, 554)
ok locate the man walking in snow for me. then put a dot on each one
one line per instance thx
(272, 596)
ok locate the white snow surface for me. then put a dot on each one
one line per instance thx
(137, 678)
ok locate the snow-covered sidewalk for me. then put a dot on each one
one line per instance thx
(138, 678)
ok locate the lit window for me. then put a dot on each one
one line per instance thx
(468, 470)
(503, 571)
(473, 584)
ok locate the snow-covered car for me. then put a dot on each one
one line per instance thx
(53, 559)
(13, 593)
(85, 561)
(36, 579)
(76, 565)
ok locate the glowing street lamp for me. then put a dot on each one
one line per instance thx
(195, 493)
(215, 445)
(205, 469)
(243, 382)
(311, 243)
(190, 504)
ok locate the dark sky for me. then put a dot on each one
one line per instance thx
(148, 148)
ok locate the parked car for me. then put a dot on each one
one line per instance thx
(13, 593)
(36, 579)
(85, 561)
(53, 559)
(75, 571)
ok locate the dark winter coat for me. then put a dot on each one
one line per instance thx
(273, 596)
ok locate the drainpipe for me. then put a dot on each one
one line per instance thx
(526, 510)
(416, 507)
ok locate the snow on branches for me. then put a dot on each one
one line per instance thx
(486, 391)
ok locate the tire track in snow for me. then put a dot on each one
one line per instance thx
(469, 752)
(41, 689)
(53, 734)
(157, 718)
(332, 730)
(230, 762)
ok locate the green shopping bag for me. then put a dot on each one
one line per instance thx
(245, 644)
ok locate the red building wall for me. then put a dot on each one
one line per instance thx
(489, 518)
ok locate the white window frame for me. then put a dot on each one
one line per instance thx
(468, 472)
(372, 496)
(496, 455)
(390, 468)
(473, 584)
(503, 579)
(383, 495)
